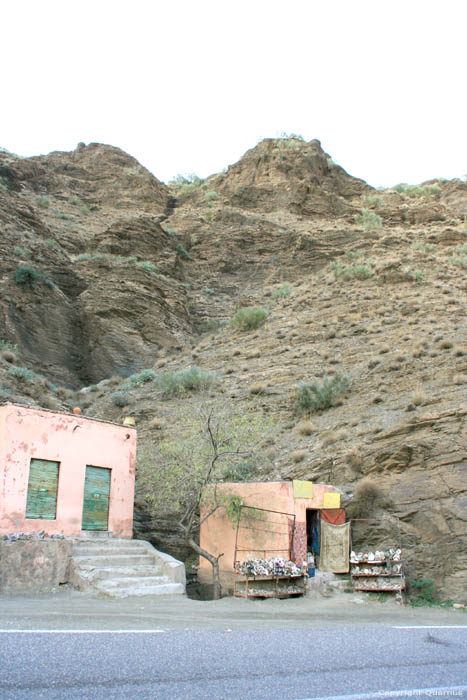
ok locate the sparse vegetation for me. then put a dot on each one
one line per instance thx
(422, 592)
(120, 398)
(358, 271)
(249, 318)
(316, 397)
(283, 291)
(372, 200)
(22, 374)
(459, 257)
(182, 251)
(414, 191)
(27, 275)
(42, 202)
(368, 220)
(179, 383)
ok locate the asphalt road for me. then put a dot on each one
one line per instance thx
(254, 664)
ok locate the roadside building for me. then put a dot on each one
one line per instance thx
(64, 473)
(297, 520)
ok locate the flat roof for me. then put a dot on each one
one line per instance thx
(65, 413)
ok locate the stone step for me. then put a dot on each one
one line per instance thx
(84, 550)
(96, 573)
(138, 582)
(136, 590)
(105, 560)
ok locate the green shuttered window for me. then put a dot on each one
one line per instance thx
(96, 498)
(42, 489)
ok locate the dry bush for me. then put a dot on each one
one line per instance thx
(354, 459)
(156, 424)
(373, 363)
(258, 388)
(9, 356)
(445, 344)
(298, 455)
(48, 401)
(384, 349)
(460, 379)
(333, 436)
(161, 363)
(458, 352)
(305, 427)
(419, 398)
(366, 497)
(64, 393)
(114, 380)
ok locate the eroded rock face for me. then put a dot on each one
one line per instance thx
(80, 320)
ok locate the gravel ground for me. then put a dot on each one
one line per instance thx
(70, 609)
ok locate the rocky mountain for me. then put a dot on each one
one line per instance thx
(105, 271)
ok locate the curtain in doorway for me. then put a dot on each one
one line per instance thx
(335, 544)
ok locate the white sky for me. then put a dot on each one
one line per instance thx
(190, 85)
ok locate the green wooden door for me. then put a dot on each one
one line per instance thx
(96, 499)
(42, 489)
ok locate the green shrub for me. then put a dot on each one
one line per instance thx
(423, 592)
(337, 268)
(316, 397)
(21, 252)
(294, 137)
(360, 272)
(417, 276)
(459, 257)
(139, 378)
(7, 345)
(211, 196)
(75, 200)
(191, 379)
(283, 291)
(51, 243)
(42, 202)
(414, 191)
(368, 220)
(372, 200)
(249, 318)
(120, 398)
(23, 374)
(146, 265)
(27, 275)
(182, 252)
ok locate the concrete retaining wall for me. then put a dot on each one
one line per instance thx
(33, 566)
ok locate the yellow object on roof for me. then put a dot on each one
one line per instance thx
(302, 489)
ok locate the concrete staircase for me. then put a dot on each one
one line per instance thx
(121, 568)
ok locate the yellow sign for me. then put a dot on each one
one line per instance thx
(302, 489)
(331, 500)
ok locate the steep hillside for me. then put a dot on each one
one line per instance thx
(356, 282)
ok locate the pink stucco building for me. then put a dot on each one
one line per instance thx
(289, 525)
(64, 473)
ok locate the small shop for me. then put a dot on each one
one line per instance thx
(285, 531)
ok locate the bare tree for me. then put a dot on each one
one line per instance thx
(204, 446)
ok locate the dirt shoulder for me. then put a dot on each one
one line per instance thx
(71, 610)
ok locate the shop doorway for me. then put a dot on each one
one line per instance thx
(312, 534)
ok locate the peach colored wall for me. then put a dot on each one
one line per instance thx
(217, 534)
(74, 442)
